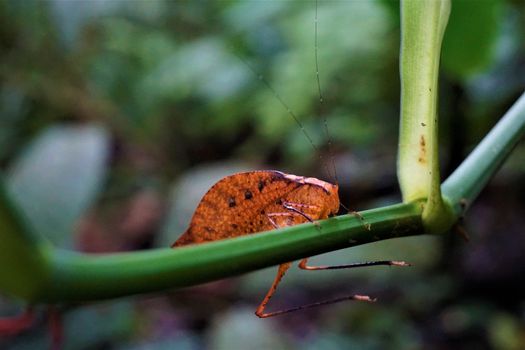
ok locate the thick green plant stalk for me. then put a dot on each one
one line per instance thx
(422, 28)
(81, 277)
(51, 275)
(23, 254)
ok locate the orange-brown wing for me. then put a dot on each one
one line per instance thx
(250, 202)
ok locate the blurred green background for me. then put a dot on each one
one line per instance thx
(116, 116)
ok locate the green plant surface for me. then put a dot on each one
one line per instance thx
(463, 186)
(75, 158)
(422, 27)
(470, 40)
(23, 262)
(80, 277)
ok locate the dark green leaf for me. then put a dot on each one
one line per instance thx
(471, 35)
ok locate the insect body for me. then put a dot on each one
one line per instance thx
(256, 201)
(250, 202)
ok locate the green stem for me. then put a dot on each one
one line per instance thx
(422, 27)
(79, 277)
(467, 181)
(23, 258)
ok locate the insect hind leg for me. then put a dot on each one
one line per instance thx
(280, 273)
(304, 265)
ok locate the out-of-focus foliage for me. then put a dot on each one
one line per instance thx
(74, 159)
(116, 116)
(472, 32)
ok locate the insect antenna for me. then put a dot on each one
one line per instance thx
(321, 108)
(321, 99)
(290, 112)
(331, 173)
(321, 105)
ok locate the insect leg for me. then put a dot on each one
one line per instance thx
(291, 206)
(291, 216)
(295, 210)
(357, 297)
(284, 267)
(274, 223)
(300, 205)
(324, 302)
(280, 273)
(303, 265)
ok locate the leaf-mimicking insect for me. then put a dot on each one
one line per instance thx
(256, 201)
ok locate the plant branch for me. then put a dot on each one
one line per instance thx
(79, 277)
(22, 253)
(34, 271)
(467, 181)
